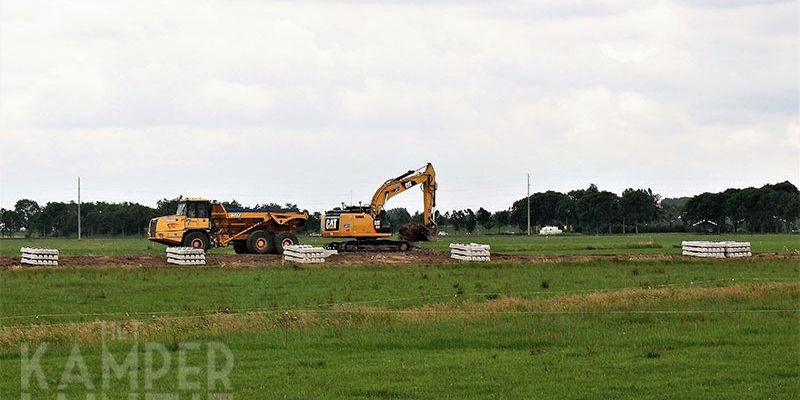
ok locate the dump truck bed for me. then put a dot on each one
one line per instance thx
(237, 223)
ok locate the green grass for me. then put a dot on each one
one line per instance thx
(662, 243)
(81, 292)
(515, 245)
(84, 247)
(648, 356)
(710, 347)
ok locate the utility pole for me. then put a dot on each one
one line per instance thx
(79, 208)
(529, 204)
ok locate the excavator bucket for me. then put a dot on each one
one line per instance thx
(415, 233)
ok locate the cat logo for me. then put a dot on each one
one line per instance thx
(409, 184)
(235, 215)
(332, 224)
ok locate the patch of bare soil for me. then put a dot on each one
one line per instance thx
(416, 256)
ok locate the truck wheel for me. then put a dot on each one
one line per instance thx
(284, 239)
(196, 240)
(260, 242)
(240, 247)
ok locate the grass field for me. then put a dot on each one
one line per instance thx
(677, 328)
(515, 245)
(109, 293)
(612, 244)
(698, 355)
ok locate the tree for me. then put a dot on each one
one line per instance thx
(443, 219)
(28, 213)
(470, 221)
(9, 222)
(59, 219)
(787, 206)
(313, 222)
(638, 205)
(544, 208)
(484, 218)
(235, 204)
(398, 217)
(706, 208)
(788, 209)
(166, 207)
(597, 209)
(566, 212)
(734, 207)
(518, 214)
(672, 212)
(458, 218)
(501, 218)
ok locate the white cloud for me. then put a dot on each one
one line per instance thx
(278, 101)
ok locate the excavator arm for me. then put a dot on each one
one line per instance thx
(425, 176)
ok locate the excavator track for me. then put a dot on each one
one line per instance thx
(370, 245)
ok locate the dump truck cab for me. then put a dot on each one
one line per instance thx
(201, 223)
(192, 215)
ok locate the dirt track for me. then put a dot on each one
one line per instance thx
(412, 257)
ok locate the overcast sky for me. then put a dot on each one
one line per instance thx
(312, 102)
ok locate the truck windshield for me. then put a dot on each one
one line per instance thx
(181, 209)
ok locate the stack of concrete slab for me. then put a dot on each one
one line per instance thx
(470, 251)
(703, 249)
(306, 254)
(37, 256)
(737, 249)
(186, 256)
(716, 249)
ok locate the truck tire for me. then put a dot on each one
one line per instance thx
(260, 242)
(197, 240)
(240, 247)
(284, 239)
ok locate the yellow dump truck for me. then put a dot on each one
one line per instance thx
(203, 224)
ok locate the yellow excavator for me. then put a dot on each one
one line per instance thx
(368, 227)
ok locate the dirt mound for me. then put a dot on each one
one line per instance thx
(415, 233)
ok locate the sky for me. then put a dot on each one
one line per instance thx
(318, 102)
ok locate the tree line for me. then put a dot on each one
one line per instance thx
(97, 218)
(770, 208)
